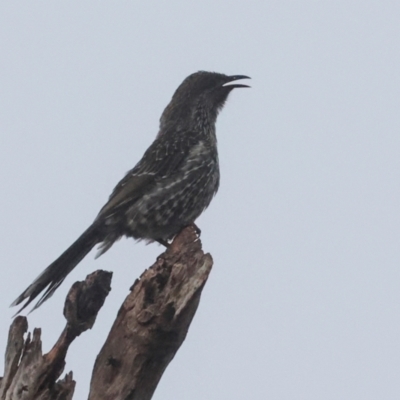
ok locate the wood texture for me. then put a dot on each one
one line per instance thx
(30, 375)
(152, 322)
(150, 327)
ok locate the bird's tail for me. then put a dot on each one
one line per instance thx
(52, 277)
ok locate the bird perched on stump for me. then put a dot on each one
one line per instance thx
(168, 188)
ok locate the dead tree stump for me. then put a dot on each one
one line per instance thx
(30, 375)
(150, 327)
(152, 322)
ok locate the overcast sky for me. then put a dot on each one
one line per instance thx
(303, 302)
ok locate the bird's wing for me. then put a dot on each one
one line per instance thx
(161, 159)
(128, 190)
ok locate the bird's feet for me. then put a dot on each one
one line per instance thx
(197, 229)
(166, 244)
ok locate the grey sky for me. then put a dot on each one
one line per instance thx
(303, 301)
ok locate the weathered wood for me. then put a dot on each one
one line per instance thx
(152, 322)
(149, 329)
(29, 375)
(13, 352)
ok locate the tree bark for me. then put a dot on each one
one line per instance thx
(28, 374)
(152, 322)
(150, 327)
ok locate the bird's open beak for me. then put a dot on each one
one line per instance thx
(235, 78)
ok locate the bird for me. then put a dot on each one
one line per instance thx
(167, 190)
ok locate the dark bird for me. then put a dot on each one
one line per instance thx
(168, 188)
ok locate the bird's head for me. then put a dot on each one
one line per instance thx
(201, 93)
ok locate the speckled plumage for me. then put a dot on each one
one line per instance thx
(168, 188)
